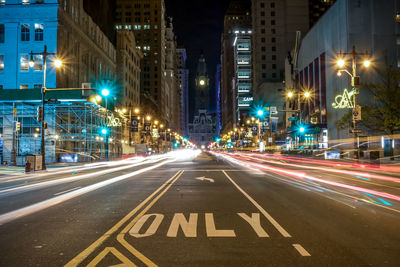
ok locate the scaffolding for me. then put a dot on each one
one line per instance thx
(73, 131)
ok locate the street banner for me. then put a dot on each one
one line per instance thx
(254, 130)
(135, 125)
(147, 128)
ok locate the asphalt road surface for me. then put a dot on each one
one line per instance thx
(214, 209)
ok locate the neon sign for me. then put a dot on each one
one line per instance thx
(112, 121)
(344, 100)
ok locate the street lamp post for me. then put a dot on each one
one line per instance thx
(355, 82)
(57, 64)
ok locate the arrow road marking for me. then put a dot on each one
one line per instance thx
(205, 179)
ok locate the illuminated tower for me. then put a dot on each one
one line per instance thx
(202, 86)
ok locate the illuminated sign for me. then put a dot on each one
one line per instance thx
(113, 121)
(344, 100)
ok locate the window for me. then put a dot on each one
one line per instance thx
(273, 31)
(263, 40)
(273, 40)
(262, 5)
(25, 32)
(262, 13)
(1, 62)
(274, 66)
(2, 33)
(38, 32)
(273, 48)
(273, 57)
(273, 75)
(272, 22)
(24, 62)
(39, 1)
(272, 13)
(263, 48)
(264, 75)
(272, 5)
(263, 66)
(38, 62)
(263, 22)
(23, 86)
(263, 57)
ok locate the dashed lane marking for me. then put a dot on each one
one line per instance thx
(301, 250)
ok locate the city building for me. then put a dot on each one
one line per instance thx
(183, 83)
(314, 65)
(236, 20)
(274, 26)
(147, 20)
(172, 90)
(89, 62)
(218, 87)
(128, 70)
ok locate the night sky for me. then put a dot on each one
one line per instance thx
(198, 26)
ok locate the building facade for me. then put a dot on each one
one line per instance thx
(183, 84)
(128, 70)
(202, 89)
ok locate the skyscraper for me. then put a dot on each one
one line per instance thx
(237, 18)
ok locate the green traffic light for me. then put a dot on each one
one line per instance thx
(105, 92)
(104, 131)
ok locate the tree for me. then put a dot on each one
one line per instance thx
(382, 114)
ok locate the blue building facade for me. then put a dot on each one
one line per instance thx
(27, 26)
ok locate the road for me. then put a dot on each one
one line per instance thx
(212, 209)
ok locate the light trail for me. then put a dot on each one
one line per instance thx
(353, 173)
(74, 178)
(302, 175)
(10, 216)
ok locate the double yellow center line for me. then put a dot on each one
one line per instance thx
(155, 196)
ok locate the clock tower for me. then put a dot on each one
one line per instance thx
(202, 86)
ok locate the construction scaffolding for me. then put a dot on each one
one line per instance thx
(73, 131)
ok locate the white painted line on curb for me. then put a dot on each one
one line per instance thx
(261, 209)
(301, 250)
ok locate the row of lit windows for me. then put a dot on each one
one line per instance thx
(25, 32)
(24, 63)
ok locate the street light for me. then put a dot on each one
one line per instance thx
(136, 110)
(290, 94)
(307, 94)
(260, 112)
(355, 81)
(105, 92)
(341, 63)
(44, 54)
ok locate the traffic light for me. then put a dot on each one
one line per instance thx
(39, 114)
(18, 126)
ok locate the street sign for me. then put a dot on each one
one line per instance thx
(273, 110)
(147, 128)
(357, 113)
(355, 131)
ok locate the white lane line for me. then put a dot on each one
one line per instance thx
(301, 250)
(261, 209)
(66, 191)
(12, 215)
